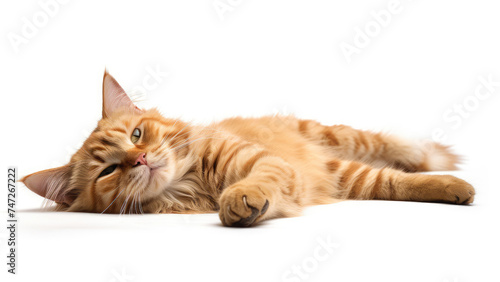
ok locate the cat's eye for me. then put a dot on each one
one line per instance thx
(136, 134)
(108, 170)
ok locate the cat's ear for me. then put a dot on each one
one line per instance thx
(114, 97)
(51, 184)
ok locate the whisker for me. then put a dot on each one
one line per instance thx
(187, 124)
(213, 133)
(171, 132)
(113, 200)
(124, 206)
(201, 132)
(201, 138)
(135, 201)
(131, 204)
(140, 203)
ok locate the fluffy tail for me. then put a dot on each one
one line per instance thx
(438, 157)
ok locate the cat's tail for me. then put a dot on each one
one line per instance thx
(437, 157)
(380, 149)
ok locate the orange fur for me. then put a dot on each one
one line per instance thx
(248, 169)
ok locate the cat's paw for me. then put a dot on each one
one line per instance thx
(459, 191)
(449, 189)
(242, 206)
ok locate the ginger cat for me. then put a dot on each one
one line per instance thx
(247, 169)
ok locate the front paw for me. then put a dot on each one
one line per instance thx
(242, 206)
(459, 191)
(446, 189)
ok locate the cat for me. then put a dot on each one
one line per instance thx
(246, 169)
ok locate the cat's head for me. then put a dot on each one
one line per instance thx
(129, 158)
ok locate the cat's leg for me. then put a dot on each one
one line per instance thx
(355, 180)
(380, 150)
(271, 188)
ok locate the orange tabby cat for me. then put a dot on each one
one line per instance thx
(247, 169)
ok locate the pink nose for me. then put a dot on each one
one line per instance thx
(141, 160)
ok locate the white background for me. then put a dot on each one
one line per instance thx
(258, 57)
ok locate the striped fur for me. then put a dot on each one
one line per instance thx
(247, 169)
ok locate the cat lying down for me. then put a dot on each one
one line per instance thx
(247, 169)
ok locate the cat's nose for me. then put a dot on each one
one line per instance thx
(141, 160)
